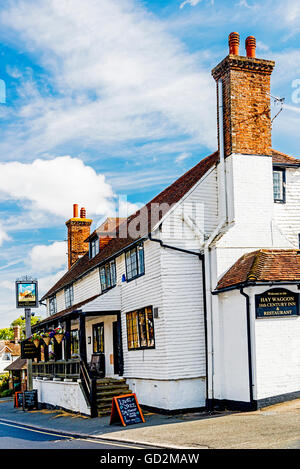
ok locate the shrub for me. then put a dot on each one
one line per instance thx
(4, 382)
(6, 393)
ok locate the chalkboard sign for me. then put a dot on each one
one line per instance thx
(30, 400)
(18, 400)
(126, 408)
(277, 302)
(28, 349)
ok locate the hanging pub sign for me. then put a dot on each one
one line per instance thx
(277, 302)
(27, 294)
(28, 349)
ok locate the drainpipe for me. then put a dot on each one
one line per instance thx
(249, 346)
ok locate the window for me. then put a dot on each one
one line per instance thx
(140, 329)
(94, 246)
(52, 305)
(74, 342)
(98, 338)
(135, 265)
(279, 184)
(6, 356)
(69, 296)
(108, 275)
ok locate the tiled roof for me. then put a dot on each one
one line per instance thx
(18, 364)
(169, 196)
(65, 311)
(282, 158)
(264, 265)
(14, 348)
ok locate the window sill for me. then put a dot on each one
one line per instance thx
(135, 277)
(107, 289)
(141, 348)
(279, 201)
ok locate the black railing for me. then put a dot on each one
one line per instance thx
(89, 385)
(66, 369)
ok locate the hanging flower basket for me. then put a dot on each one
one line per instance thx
(59, 338)
(58, 334)
(47, 340)
(35, 338)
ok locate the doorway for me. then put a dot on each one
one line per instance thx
(98, 347)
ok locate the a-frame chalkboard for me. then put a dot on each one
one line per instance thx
(126, 409)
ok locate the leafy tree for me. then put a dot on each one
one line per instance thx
(7, 333)
(21, 322)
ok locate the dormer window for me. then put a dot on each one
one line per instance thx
(279, 185)
(94, 247)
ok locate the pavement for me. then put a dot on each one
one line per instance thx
(274, 427)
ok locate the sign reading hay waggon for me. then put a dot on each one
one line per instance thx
(277, 302)
(27, 294)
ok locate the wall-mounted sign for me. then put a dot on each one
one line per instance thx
(28, 349)
(27, 294)
(277, 302)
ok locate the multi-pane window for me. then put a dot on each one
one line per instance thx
(140, 329)
(74, 342)
(52, 305)
(108, 275)
(94, 246)
(98, 338)
(279, 184)
(135, 264)
(69, 296)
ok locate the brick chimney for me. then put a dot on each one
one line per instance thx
(78, 231)
(246, 99)
(17, 334)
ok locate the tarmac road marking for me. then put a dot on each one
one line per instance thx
(36, 431)
(103, 441)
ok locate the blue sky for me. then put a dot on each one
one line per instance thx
(108, 98)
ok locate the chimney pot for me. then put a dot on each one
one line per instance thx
(250, 46)
(82, 213)
(75, 210)
(234, 42)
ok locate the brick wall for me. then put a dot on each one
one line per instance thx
(78, 231)
(246, 104)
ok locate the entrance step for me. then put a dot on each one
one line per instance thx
(107, 388)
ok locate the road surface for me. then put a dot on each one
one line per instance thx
(16, 436)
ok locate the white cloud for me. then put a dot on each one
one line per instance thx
(193, 3)
(47, 258)
(3, 235)
(180, 158)
(118, 76)
(53, 186)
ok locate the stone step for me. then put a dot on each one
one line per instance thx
(101, 389)
(113, 393)
(106, 399)
(110, 381)
(104, 412)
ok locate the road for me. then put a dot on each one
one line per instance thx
(16, 436)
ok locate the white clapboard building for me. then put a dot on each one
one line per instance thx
(191, 302)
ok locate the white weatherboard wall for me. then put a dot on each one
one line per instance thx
(287, 216)
(87, 286)
(277, 352)
(67, 395)
(139, 293)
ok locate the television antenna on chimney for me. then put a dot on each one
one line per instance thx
(277, 102)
